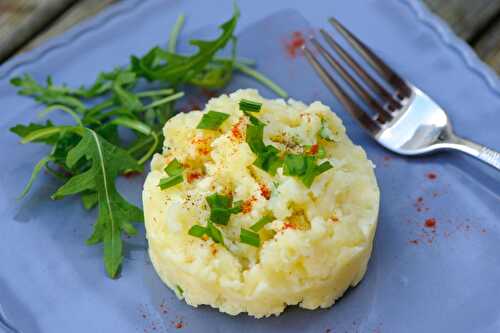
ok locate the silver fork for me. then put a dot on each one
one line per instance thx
(407, 121)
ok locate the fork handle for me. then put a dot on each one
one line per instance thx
(482, 153)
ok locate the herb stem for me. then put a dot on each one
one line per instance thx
(99, 107)
(174, 34)
(151, 150)
(153, 93)
(241, 61)
(262, 79)
(63, 108)
(164, 100)
(140, 145)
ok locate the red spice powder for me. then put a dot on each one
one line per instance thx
(430, 223)
(192, 176)
(288, 225)
(294, 45)
(236, 131)
(314, 149)
(431, 176)
(265, 191)
(213, 249)
(201, 145)
(247, 205)
(413, 241)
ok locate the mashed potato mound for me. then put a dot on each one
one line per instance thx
(320, 240)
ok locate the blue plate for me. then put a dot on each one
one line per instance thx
(420, 279)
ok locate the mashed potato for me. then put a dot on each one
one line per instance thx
(320, 239)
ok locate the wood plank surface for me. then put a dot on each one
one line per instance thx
(80, 11)
(488, 47)
(29, 23)
(20, 20)
(465, 17)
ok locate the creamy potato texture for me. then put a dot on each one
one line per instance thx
(320, 239)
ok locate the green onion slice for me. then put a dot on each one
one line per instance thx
(249, 237)
(212, 120)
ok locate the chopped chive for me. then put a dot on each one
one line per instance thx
(304, 167)
(250, 106)
(212, 120)
(262, 222)
(321, 152)
(294, 165)
(249, 237)
(198, 231)
(170, 181)
(179, 289)
(220, 208)
(174, 168)
(215, 233)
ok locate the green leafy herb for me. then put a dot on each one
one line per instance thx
(36, 170)
(212, 120)
(165, 66)
(198, 231)
(89, 156)
(210, 230)
(221, 208)
(24, 131)
(249, 237)
(174, 169)
(267, 156)
(304, 167)
(115, 213)
(262, 222)
(215, 233)
(250, 106)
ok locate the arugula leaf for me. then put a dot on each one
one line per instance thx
(89, 199)
(115, 213)
(24, 131)
(36, 170)
(165, 66)
(126, 99)
(49, 94)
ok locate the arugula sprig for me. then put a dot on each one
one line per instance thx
(89, 156)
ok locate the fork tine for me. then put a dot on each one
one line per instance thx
(384, 70)
(384, 115)
(366, 122)
(393, 103)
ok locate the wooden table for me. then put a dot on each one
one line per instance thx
(25, 24)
